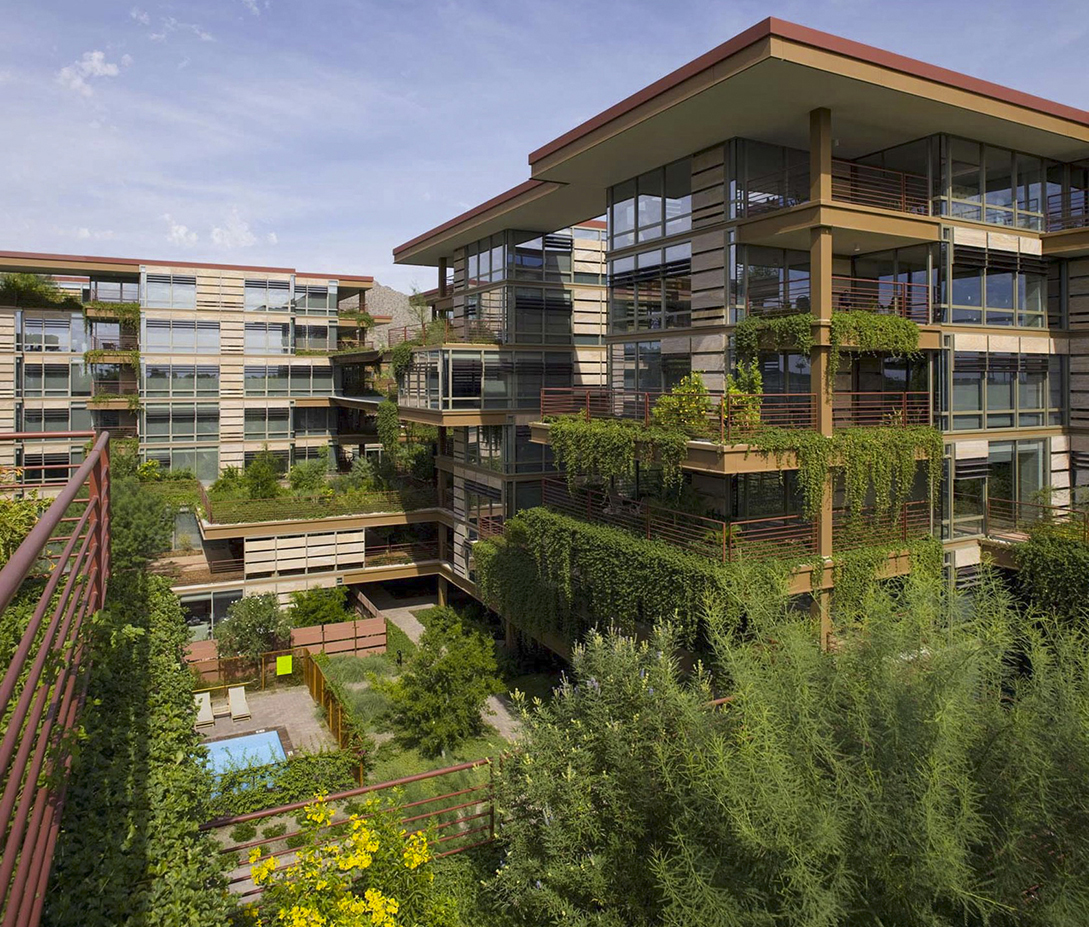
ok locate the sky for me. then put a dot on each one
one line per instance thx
(319, 134)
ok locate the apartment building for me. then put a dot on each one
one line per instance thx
(786, 172)
(203, 365)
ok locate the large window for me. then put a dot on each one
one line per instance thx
(316, 300)
(268, 338)
(542, 315)
(54, 333)
(541, 257)
(991, 287)
(72, 418)
(176, 336)
(652, 290)
(203, 461)
(995, 185)
(315, 338)
(182, 421)
(485, 261)
(72, 379)
(313, 421)
(474, 379)
(166, 291)
(267, 424)
(998, 390)
(268, 295)
(652, 205)
(642, 365)
(180, 380)
(281, 380)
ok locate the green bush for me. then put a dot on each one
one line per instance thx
(244, 832)
(685, 407)
(246, 789)
(275, 830)
(129, 852)
(262, 476)
(311, 607)
(141, 525)
(254, 625)
(1053, 572)
(389, 428)
(437, 701)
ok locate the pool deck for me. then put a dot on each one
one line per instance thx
(290, 708)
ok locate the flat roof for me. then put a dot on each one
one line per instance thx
(72, 263)
(760, 84)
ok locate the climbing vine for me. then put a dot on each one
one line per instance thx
(857, 573)
(127, 314)
(786, 332)
(388, 426)
(609, 449)
(401, 359)
(870, 333)
(101, 356)
(883, 458)
(133, 402)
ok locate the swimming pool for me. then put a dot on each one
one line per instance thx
(258, 749)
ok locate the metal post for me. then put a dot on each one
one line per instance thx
(646, 409)
(587, 405)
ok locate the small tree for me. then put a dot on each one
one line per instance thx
(685, 407)
(254, 625)
(141, 526)
(262, 476)
(319, 606)
(309, 476)
(439, 698)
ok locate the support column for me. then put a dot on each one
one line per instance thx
(821, 305)
(443, 590)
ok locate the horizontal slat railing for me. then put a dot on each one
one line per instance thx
(452, 331)
(1068, 210)
(1012, 518)
(849, 294)
(874, 409)
(910, 521)
(880, 187)
(44, 684)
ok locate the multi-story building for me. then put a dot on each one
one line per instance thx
(789, 171)
(204, 365)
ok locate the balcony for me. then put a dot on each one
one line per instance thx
(451, 331)
(752, 538)
(859, 184)
(1068, 210)
(729, 417)
(849, 294)
(1013, 520)
(878, 409)
(910, 522)
(116, 344)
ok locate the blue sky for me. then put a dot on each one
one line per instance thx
(320, 133)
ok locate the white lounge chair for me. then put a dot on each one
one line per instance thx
(204, 709)
(236, 699)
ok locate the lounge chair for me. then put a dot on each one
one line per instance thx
(204, 709)
(236, 699)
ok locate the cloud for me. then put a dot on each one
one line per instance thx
(92, 64)
(179, 234)
(272, 238)
(252, 6)
(85, 234)
(141, 16)
(235, 232)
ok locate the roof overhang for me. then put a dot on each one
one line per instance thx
(763, 84)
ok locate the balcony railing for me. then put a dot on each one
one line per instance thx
(241, 511)
(393, 554)
(729, 417)
(1012, 519)
(849, 294)
(753, 538)
(45, 682)
(452, 331)
(1068, 210)
(874, 409)
(910, 521)
(880, 187)
(861, 184)
(122, 342)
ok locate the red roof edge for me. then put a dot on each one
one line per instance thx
(833, 43)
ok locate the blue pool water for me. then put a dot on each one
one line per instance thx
(247, 750)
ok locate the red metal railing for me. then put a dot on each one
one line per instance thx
(1013, 519)
(42, 476)
(43, 687)
(1068, 210)
(751, 538)
(729, 417)
(451, 331)
(880, 187)
(849, 294)
(461, 819)
(911, 520)
(872, 409)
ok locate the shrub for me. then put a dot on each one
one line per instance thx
(438, 700)
(244, 832)
(230, 485)
(275, 830)
(319, 606)
(1053, 572)
(245, 789)
(129, 852)
(309, 475)
(141, 525)
(389, 428)
(254, 625)
(149, 471)
(262, 477)
(377, 874)
(685, 407)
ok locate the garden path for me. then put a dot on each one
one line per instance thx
(401, 613)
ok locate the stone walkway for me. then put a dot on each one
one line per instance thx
(400, 612)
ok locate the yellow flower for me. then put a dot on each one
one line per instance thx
(255, 854)
(416, 852)
(262, 872)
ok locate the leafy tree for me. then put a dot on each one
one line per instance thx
(389, 429)
(319, 606)
(141, 526)
(29, 290)
(930, 772)
(262, 476)
(438, 700)
(309, 475)
(254, 625)
(685, 407)
(17, 518)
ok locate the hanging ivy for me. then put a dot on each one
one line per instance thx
(127, 314)
(784, 333)
(101, 356)
(608, 449)
(881, 458)
(856, 573)
(401, 359)
(870, 333)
